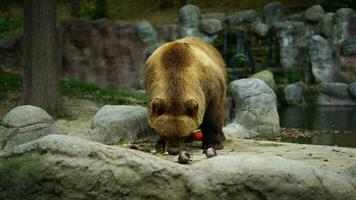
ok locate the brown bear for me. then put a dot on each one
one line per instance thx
(185, 85)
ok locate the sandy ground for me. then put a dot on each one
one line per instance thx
(336, 159)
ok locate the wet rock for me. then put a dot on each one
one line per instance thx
(273, 12)
(339, 90)
(322, 59)
(292, 38)
(24, 124)
(255, 106)
(335, 94)
(147, 33)
(314, 14)
(325, 25)
(189, 16)
(242, 17)
(294, 93)
(267, 77)
(341, 20)
(210, 26)
(260, 29)
(169, 32)
(352, 90)
(74, 168)
(120, 124)
(213, 15)
(348, 46)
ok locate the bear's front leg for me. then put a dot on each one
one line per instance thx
(212, 126)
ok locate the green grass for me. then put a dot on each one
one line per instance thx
(13, 82)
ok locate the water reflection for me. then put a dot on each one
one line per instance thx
(342, 119)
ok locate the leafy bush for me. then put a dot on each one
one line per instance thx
(93, 11)
(10, 27)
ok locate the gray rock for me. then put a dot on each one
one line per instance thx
(120, 124)
(338, 90)
(267, 77)
(242, 17)
(228, 108)
(74, 168)
(210, 26)
(237, 131)
(322, 59)
(273, 12)
(348, 46)
(147, 33)
(325, 26)
(213, 15)
(314, 13)
(352, 90)
(194, 32)
(294, 93)
(260, 29)
(255, 106)
(26, 115)
(25, 124)
(292, 38)
(169, 32)
(189, 16)
(335, 94)
(340, 24)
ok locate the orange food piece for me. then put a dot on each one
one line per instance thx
(197, 135)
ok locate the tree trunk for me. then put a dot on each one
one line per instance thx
(75, 8)
(41, 77)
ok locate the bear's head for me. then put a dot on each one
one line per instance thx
(174, 121)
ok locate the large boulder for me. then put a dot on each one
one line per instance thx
(255, 106)
(120, 124)
(213, 15)
(352, 90)
(242, 17)
(24, 124)
(348, 47)
(273, 12)
(335, 94)
(210, 26)
(103, 52)
(322, 59)
(314, 14)
(261, 29)
(65, 167)
(10, 51)
(325, 25)
(292, 38)
(294, 93)
(267, 77)
(189, 16)
(169, 32)
(147, 33)
(341, 20)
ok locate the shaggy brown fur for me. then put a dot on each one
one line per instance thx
(185, 84)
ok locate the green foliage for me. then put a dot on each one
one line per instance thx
(93, 11)
(288, 75)
(10, 27)
(103, 95)
(13, 82)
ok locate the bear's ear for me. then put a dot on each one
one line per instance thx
(191, 107)
(158, 106)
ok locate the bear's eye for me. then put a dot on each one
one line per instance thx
(158, 106)
(191, 107)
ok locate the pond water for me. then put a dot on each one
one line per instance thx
(326, 119)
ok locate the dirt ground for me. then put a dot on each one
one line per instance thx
(336, 159)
